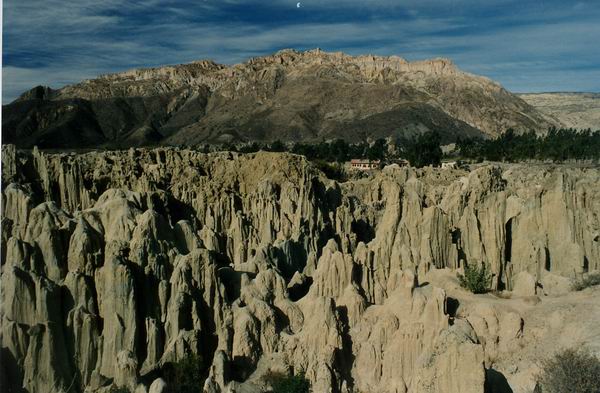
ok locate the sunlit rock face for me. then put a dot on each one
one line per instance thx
(116, 263)
(574, 110)
(292, 96)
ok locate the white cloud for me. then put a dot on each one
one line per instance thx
(55, 42)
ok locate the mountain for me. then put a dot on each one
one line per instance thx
(291, 95)
(573, 110)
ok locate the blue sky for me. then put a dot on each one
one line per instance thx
(527, 45)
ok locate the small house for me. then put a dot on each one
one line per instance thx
(364, 165)
(449, 165)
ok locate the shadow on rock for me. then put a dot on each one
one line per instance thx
(495, 382)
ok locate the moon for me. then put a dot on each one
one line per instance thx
(298, 5)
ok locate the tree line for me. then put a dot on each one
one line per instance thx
(557, 145)
(420, 151)
(425, 149)
(337, 150)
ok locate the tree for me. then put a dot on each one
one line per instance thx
(377, 150)
(230, 146)
(425, 150)
(277, 146)
(557, 145)
(250, 148)
(339, 150)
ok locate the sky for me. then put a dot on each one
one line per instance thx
(527, 45)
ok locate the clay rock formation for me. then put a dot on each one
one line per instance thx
(290, 95)
(117, 263)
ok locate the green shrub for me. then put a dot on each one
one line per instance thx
(572, 371)
(588, 281)
(282, 383)
(185, 375)
(476, 279)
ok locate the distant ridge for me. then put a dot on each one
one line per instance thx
(571, 109)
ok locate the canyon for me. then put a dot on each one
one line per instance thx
(117, 263)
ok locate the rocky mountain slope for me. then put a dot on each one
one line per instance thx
(573, 110)
(116, 263)
(290, 95)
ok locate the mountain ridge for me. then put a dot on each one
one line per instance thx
(580, 110)
(291, 95)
